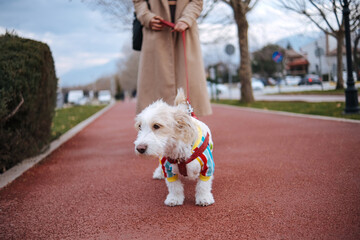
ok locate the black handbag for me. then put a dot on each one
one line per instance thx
(137, 33)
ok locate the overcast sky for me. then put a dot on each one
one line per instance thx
(81, 37)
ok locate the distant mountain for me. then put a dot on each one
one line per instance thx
(298, 40)
(87, 75)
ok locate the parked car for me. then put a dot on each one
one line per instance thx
(84, 100)
(222, 88)
(271, 81)
(75, 96)
(264, 81)
(310, 80)
(257, 84)
(213, 88)
(344, 75)
(104, 96)
(292, 80)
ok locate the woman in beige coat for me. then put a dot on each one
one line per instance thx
(162, 63)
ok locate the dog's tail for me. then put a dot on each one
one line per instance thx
(180, 97)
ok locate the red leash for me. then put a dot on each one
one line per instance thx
(172, 25)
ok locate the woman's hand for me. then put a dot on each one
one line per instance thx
(155, 23)
(181, 26)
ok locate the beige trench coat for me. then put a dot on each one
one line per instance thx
(162, 66)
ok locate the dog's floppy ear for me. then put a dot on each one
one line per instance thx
(180, 97)
(185, 128)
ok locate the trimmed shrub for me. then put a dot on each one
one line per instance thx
(27, 98)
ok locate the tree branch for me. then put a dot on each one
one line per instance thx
(227, 2)
(253, 5)
(300, 8)
(15, 110)
(322, 14)
(335, 12)
(207, 11)
(318, 25)
(355, 25)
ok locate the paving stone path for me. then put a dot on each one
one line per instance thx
(276, 177)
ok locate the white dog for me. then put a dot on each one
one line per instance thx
(182, 143)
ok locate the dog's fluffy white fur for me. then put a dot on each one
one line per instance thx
(169, 131)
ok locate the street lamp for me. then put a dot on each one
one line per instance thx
(351, 94)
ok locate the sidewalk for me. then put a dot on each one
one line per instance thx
(302, 98)
(276, 177)
(260, 96)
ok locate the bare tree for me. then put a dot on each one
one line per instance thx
(241, 8)
(212, 20)
(103, 83)
(327, 16)
(120, 12)
(128, 70)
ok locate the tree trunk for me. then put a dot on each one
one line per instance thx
(245, 64)
(339, 56)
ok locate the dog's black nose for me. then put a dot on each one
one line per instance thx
(141, 148)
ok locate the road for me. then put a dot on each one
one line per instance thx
(276, 177)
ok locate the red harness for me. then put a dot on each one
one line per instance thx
(198, 151)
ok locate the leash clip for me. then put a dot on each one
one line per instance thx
(190, 109)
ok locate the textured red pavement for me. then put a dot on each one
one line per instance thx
(276, 177)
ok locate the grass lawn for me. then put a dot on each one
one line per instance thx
(330, 109)
(67, 118)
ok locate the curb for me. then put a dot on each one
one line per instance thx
(16, 171)
(290, 114)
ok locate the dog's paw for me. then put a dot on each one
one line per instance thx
(174, 200)
(205, 200)
(158, 173)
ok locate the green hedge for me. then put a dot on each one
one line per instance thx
(28, 86)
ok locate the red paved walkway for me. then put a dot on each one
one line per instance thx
(276, 177)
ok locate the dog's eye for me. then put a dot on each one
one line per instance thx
(156, 126)
(139, 127)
